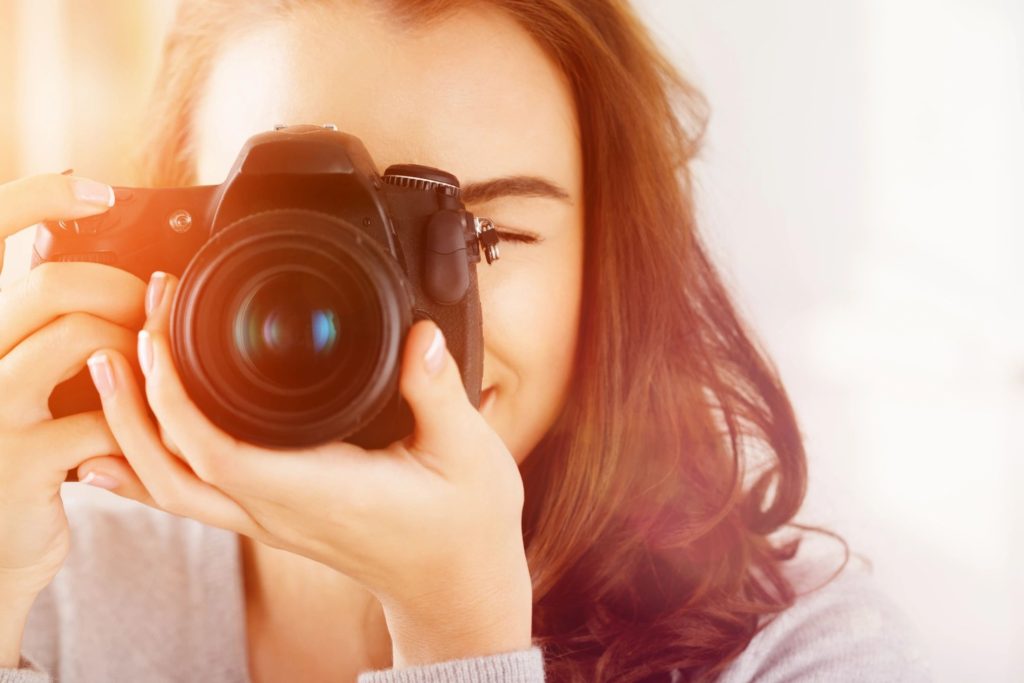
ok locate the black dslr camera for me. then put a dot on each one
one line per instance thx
(300, 277)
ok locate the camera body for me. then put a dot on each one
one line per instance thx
(300, 276)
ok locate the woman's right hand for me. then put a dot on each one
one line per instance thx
(50, 322)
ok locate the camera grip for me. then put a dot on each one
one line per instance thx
(137, 235)
(146, 230)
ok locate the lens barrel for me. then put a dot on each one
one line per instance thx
(287, 328)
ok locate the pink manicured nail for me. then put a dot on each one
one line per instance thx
(433, 359)
(92, 192)
(155, 291)
(145, 352)
(102, 374)
(103, 481)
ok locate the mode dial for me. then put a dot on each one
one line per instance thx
(422, 178)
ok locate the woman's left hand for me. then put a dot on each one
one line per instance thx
(431, 525)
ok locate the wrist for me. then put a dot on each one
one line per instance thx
(476, 621)
(13, 617)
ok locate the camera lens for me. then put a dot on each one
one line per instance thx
(294, 328)
(287, 328)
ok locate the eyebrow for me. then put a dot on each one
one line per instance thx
(513, 186)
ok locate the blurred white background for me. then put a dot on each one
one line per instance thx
(862, 188)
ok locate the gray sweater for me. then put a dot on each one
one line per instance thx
(147, 596)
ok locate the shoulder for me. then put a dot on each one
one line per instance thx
(845, 630)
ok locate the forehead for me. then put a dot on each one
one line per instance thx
(472, 94)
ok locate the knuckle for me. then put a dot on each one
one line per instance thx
(76, 324)
(44, 280)
(97, 423)
(93, 421)
(208, 467)
(54, 185)
(61, 187)
(77, 329)
(168, 496)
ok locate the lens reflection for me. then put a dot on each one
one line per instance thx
(295, 327)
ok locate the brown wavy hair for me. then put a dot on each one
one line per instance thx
(650, 503)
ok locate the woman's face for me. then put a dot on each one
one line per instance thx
(472, 95)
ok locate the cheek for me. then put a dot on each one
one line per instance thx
(531, 306)
(533, 319)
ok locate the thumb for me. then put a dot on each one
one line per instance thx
(432, 386)
(114, 474)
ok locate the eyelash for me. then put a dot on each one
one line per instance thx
(516, 237)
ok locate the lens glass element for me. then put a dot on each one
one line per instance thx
(295, 328)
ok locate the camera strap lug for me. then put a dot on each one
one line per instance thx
(487, 237)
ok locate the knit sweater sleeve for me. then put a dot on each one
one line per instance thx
(523, 666)
(27, 672)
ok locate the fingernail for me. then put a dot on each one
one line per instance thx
(433, 359)
(103, 481)
(155, 291)
(102, 374)
(145, 352)
(92, 192)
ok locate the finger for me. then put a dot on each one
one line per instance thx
(115, 474)
(211, 452)
(54, 447)
(56, 353)
(170, 482)
(432, 385)
(51, 290)
(50, 196)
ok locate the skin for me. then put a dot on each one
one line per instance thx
(341, 573)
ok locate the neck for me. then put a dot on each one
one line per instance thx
(305, 617)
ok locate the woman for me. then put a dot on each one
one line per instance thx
(602, 515)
